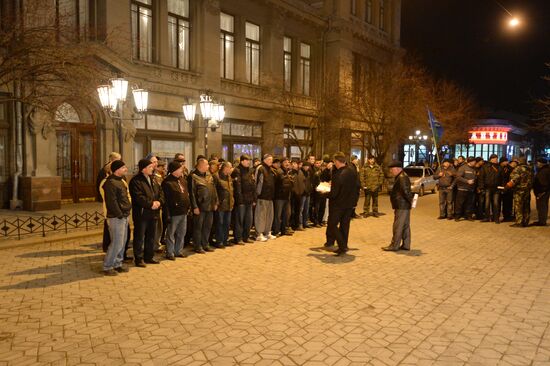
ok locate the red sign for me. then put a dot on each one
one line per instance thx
(489, 135)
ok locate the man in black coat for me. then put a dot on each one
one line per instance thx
(489, 179)
(344, 194)
(147, 199)
(541, 188)
(401, 201)
(244, 191)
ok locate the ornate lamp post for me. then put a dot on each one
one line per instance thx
(112, 98)
(211, 112)
(418, 138)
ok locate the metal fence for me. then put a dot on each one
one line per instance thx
(19, 227)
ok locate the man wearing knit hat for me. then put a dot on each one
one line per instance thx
(147, 199)
(117, 207)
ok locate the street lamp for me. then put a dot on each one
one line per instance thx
(212, 112)
(418, 139)
(514, 21)
(112, 98)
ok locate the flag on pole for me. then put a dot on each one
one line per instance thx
(436, 127)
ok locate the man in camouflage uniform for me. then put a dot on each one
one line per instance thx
(521, 180)
(372, 178)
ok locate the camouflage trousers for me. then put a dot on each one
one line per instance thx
(522, 206)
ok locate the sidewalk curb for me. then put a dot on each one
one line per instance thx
(49, 240)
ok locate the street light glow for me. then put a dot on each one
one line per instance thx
(514, 22)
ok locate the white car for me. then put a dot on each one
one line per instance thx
(421, 179)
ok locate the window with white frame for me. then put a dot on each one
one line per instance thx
(252, 34)
(305, 68)
(382, 15)
(178, 33)
(142, 30)
(287, 63)
(368, 11)
(72, 16)
(227, 46)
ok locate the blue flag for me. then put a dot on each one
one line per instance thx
(435, 126)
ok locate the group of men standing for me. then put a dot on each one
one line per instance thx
(476, 189)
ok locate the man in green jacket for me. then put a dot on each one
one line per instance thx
(372, 178)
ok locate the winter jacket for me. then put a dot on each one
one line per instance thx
(541, 184)
(265, 182)
(308, 184)
(344, 190)
(202, 193)
(372, 177)
(144, 192)
(244, 186)
(521, 178)
(489, 176)
(448, 178)
(283, 184)
(116, 197)
(401, 196)
(224, 188)
(176, 196)
(465, 173)
(299, 185)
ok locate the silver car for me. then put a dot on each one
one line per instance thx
(421, 179)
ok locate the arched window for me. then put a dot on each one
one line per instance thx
(67, 114)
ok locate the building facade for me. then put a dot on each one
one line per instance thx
(252, 55)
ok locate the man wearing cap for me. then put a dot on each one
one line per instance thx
(117, 205)
(541, 188)
(521, 181)
(401, 198)
(506, 195)
(176, 206)
(244, 190)
(283, 188)
(445, 177)
(372, 178)
(344, 194)
(489, 180)
(465, 182)
(147, 199)
(265, 190)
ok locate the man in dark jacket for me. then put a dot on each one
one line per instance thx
(298, 188)
(283, 188)
(306, 197)
(265, 190)
(245, 198)
(445, 176)
(117, 207)
(489, 180)
(176, 206)
(541, 188)
(204, 201)
(507, 196)
(147, 199)
(344, 194)
(401, 201)
(226, 202)
(465, 182)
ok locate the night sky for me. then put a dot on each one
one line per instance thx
(468, 41)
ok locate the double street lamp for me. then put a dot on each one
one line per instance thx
(112, 98)
(211, 111)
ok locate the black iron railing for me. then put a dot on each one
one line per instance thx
(19, 227)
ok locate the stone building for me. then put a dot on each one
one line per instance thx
(256, 56)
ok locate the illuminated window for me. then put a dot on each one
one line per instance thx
(287, 63)
(305, 68)
(227, 46)
(252, 34)
(142, 30)
(178, 33)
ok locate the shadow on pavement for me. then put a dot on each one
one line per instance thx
(410, 253)
(326, 255)
(74, 269)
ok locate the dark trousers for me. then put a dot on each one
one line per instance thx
(480, 205)
(542, 207)
(464, 204)
(242, 222)
(320, 206)
(370, 195)
(222, 229)
(145, 231)
(189, 232)
(401, 229)
(446, 202)
(338, 227)
(507, 204)
(202, 224)
(296, 205)
(492, 204)
(280, 218)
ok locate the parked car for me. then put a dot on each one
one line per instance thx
(421, 179)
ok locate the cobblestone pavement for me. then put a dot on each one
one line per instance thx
(468, 294)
